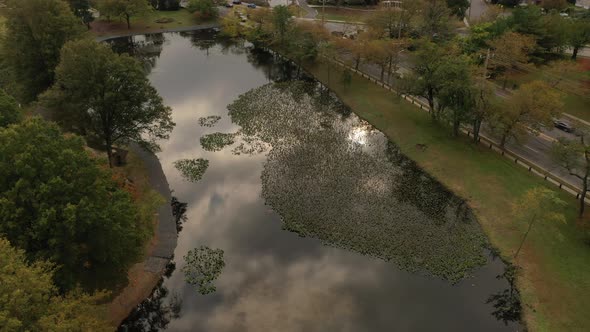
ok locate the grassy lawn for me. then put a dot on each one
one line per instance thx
(343, 14)
(555, 278)
(181, 18)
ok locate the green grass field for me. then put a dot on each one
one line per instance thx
(343, 14)
(181, 18)
(555, 278)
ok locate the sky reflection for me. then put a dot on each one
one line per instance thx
(275, 280)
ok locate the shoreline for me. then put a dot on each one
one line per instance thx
(160, 248)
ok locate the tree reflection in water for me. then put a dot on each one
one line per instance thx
(507, 303)
(156, 312)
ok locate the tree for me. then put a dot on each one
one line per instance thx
(232, 27)
(9, 110)
(31, 302)
(578, 35)
(435, 19)
(124, 8)
(281, 19)
(109, 96)
(486, 103)
(261, 33)
(35, 32)
(385, 54)
(356, 47)
(424, 80)
(509, 51)
(456, 93)
(302, 44)
(537, 205)
(458, 7)
(574, 156)
(559, 74)
(59, 204)
(207, 9)
(165, 4)
(549, 5)
(81, 9)
(533, 106)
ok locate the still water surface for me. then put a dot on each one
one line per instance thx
(276, 280)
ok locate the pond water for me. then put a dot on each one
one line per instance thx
(341, 188)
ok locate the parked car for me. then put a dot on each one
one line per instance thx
(236, 2)
(251, 5)
(562, 125)
(229, 5)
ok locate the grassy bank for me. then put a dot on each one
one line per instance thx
(555, 278)
(343, 14)
(146, 24)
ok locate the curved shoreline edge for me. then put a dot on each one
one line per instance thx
(163, 243)
(161, 247)
(140, 33)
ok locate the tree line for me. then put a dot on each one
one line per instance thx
(462, 79)
(70, 224)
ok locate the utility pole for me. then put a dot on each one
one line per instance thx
(323, 12)
(469, 13)
(485, 64)
(401, 19)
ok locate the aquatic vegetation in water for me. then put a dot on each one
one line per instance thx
(217, 141)
(203, 266)
(250, 146)
(192, 169)
(209, 121)
(334, 177)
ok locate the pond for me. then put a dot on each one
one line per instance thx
(324, 225)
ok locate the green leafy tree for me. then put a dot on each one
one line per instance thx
(510, 52)
(58, 204)
(537, 205)
(486, 103)
(532, 107)
(435, 19)
(282, 22)
(31, 302)
(125, 9)
(574, 156)
(81, 9)
(456, 94)
(424, 81)
(206, 9)
(458, 7)
(9, 110)
(578, 35)
(36, 30)
(109, 96)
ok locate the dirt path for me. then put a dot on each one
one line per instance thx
(144, 276)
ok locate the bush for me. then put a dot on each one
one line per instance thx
(206, 9)
(59, 204)
(9, 110)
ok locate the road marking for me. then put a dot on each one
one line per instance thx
(547, 138)
(528, 147)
